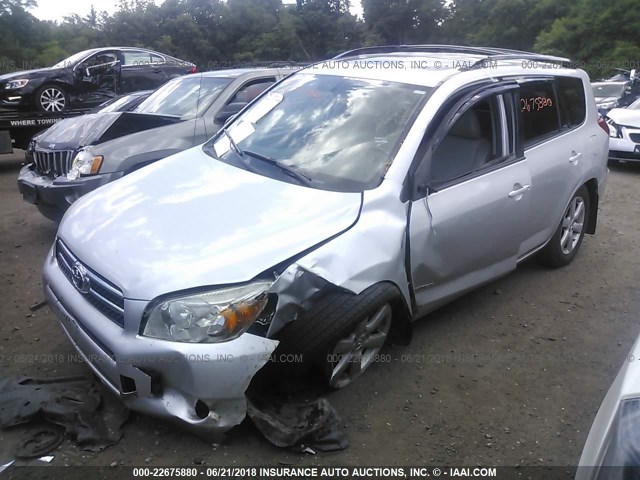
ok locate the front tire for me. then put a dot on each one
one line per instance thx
(566, 241)
(51, 99)
(343, 333)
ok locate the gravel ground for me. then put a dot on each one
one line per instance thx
(510, 374)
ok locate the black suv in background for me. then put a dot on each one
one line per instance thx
(89, 78)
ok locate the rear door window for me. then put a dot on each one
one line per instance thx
(539, 111)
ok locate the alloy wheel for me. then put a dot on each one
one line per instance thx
(353, 354)
(572, 225)
(52, 100)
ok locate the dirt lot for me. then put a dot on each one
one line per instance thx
(512, 373)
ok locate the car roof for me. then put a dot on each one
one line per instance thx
(236, 72)
(425, 70)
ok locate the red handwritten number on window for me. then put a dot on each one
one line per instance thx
(535, 104)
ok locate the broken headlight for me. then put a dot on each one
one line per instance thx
(211, 317)
(85, 163)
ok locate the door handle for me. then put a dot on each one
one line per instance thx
(519, 191)
(575, 157)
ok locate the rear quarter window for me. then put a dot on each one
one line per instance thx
(572, 98)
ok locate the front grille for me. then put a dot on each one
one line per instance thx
(53, 162)
(635, 137)
(103, 295)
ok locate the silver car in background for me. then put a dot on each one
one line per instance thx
(348, 200)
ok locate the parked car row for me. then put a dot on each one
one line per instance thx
(79, 154)
(317, 213)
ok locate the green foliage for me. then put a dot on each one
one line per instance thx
(213, 33)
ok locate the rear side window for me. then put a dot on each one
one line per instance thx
(574, 109)
(539, 111)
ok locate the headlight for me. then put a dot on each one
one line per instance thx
(13, 84)
(623, 448)
(85, 163)
(211, 317)
(614, 129)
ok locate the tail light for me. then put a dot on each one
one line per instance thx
(603, 124)
(194, 69)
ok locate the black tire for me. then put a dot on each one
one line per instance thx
(332, 318)
(51, 99)
(554, 254)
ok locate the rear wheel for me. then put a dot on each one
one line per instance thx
(52, 99)
(566, 241)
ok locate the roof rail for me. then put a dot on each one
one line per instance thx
(425, 49)
(565, 62)
(492, 54)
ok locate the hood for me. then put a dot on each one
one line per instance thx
(191, 221)
(606, 99)
(38, 72)
(95, 128)
(625, 117)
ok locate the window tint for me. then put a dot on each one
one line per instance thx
(571, 93)
(472, 143)
(251, 90)
(539, 111)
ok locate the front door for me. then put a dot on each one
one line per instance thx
(97, 78)
(469, 227)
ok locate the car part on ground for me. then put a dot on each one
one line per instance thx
(90, 416)
(329, 205)
(312, 424)
(77, 155)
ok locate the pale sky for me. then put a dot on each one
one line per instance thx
(57, 9)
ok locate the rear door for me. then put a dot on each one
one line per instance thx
(142, 70)
(470, 225)
(556, 142)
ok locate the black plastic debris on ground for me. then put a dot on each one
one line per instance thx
(312, 424)
(89, 414)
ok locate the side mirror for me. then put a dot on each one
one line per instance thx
(632, 74)
(229, 111)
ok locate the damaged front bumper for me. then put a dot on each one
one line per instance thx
(201, 386)
(53, 196)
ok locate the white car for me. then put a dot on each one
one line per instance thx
(624, 133)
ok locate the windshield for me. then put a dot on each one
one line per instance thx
(118, 104)
(72, 60)
(608, 90)
(341, 133)
(184, 97)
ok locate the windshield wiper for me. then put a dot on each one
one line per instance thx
(232, 142)
(300, 177)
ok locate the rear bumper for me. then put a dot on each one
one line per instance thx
(199, 386)
(53, 196)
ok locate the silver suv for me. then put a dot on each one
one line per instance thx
(349, 199)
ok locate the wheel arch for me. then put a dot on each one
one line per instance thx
(592, 187)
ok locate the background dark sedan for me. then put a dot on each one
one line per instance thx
(89, 78)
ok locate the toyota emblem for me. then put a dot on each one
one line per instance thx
(80, 278)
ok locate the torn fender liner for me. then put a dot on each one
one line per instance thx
(315, 424)
(92, 416)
